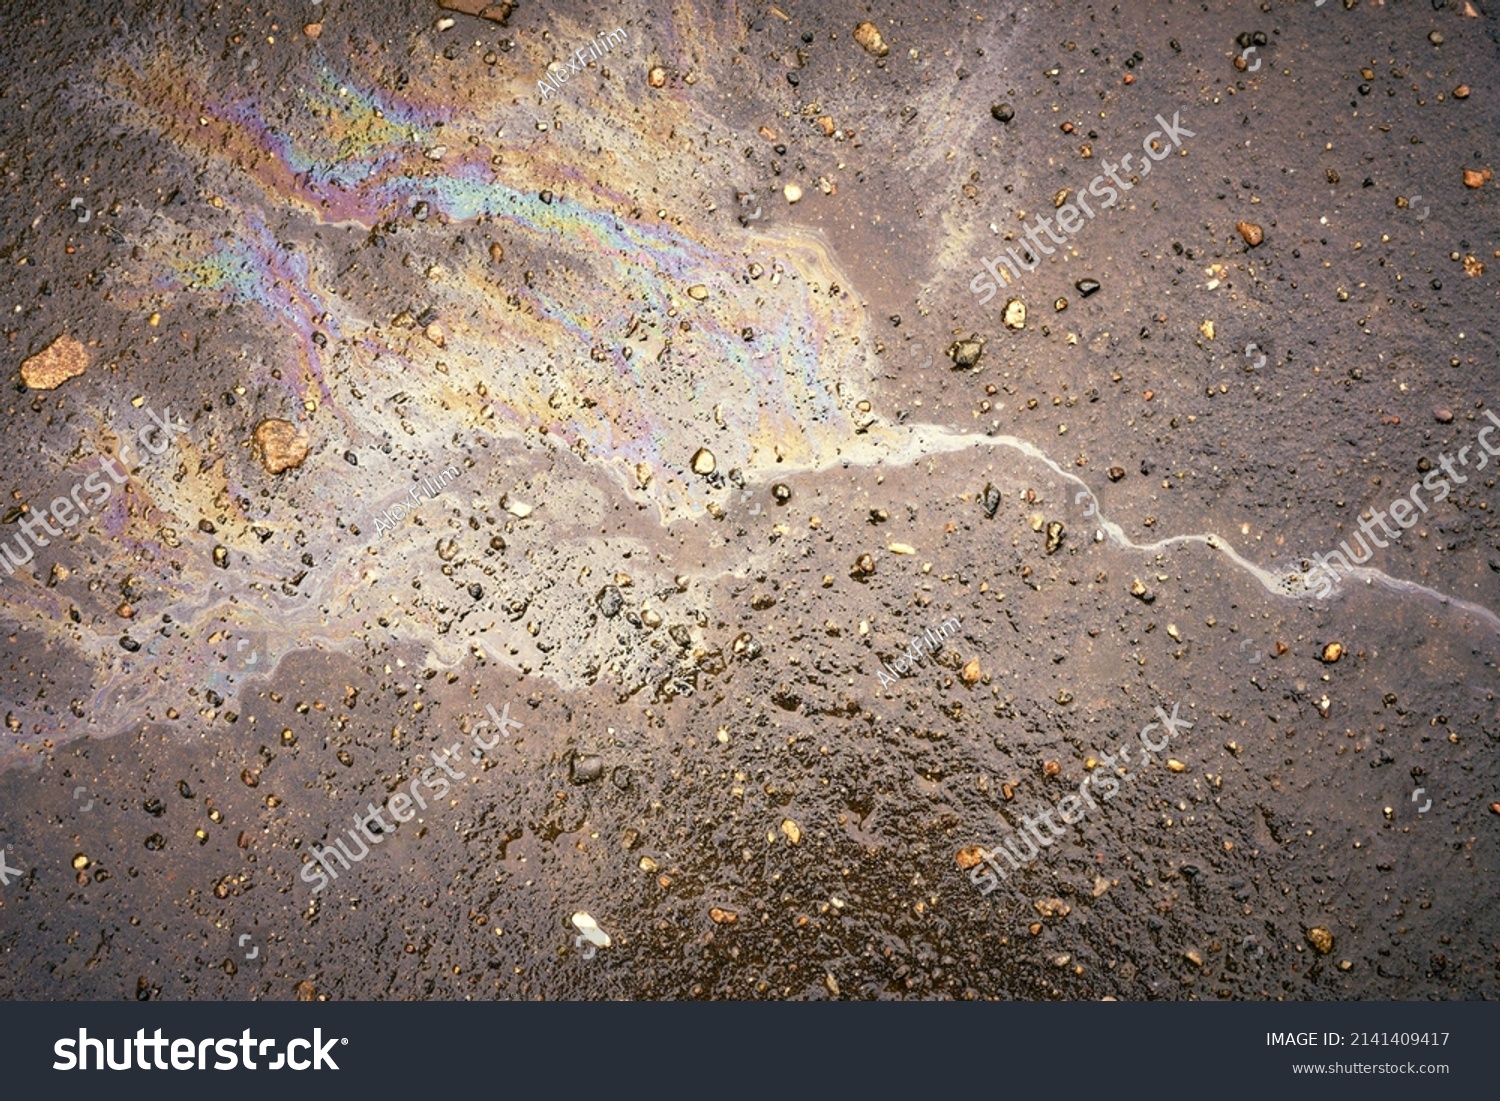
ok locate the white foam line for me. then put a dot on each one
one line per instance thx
(927, 439)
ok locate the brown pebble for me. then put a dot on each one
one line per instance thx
(1461, 92)
(496, 252)
(1149, 394)
(865, 565)
(1332, 652)
(1051, 768)
(1251, 232)
(312, 30)
(657, 77)
(59, 361)
(1473, 178)
(1443, 414)
(1116, 473)
(723, 917)
(971, 857)
(279, 445)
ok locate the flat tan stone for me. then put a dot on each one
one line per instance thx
(59, 361)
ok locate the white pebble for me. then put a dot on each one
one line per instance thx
(585, 924)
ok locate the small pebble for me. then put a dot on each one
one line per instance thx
(585, 924)
(610, 600)
(1443, 415)
(1251, 232)
(1002, 112)
(965, 353)
(868, 36)
(59, 361)
(586, 769)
